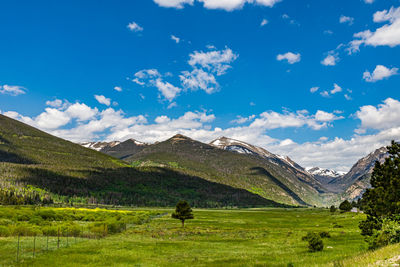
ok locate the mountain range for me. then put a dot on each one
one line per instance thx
(331, 186)
(225, 172)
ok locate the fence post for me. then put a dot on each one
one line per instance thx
(18, 249)
(58, 238)
(34, 245)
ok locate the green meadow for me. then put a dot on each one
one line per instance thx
(249, 237)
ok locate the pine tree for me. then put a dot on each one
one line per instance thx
(382, 200)
(183, 212)
(345, 206)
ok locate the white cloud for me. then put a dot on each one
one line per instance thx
(290, 57)
(133, 26)
(172, 105)
(336, 89)
(230, 5)
(387, 35)
(103, 100)
(175, 39)
(314, 89)
(273, 120)
(369, 1)
(263, 22)
(199, 79)
(12, 90)
(381, 72)
(179, 4)
(56, 103)
(81, 112)
(385, 116)
(217, 61)
(205, 67)
(330, 60)
(168, 90)
(345, 19)
(118, 88)
(241, 120)
(325, 94)
(152, 78)
(51, 119)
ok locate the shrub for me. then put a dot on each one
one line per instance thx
(324, 234)
(389, 234)
(315, 242)
(332, 209)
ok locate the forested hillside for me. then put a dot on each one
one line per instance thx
(37, 167)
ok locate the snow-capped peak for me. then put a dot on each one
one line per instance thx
(324, 172)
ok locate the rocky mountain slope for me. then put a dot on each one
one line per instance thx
(357, 180)
(240, 166)
(283, 161)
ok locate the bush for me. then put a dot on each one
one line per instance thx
(332, 209)
(324, 234)
(389, 234)
(315, 242)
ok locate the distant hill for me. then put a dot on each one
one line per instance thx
(35, 166)
(272, 178)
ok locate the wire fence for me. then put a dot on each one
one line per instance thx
(28, 247)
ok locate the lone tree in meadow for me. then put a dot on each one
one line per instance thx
(382, 201)
(183, 212)
(345, 206)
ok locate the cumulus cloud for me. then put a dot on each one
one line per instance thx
(12, 90)
(330, 60)
(217, 61)
(56, 103)
(264, 22)
(205, 66)
(118, 88)
(314, 89)
(175, 39)
(385, 116)
(179, 4)
(199, 79)
(336, 89)
(133, 26)
(274, 120)
(346, 19)
(240, 120)
(290, 57)
(381, 72)
(387, 35)
(103, 100)
(369, 1)
(228, 5)
(153, 78)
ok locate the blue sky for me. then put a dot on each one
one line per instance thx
(112, 70)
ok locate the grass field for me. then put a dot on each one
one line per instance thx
(263, 237)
